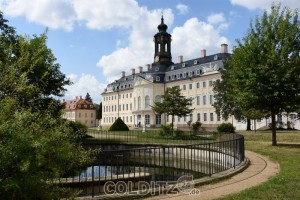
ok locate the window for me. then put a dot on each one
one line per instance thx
(204, 99)
(123, 107)
(190, 86)
(126, 95)
(139, 103)
(218, 117)
(156, 68)
(191, 74)
(147, 101)
(198, 117)
(210, 83)
(173, 77)
(191, 117)
(195, 62)
(204, 84)
(184, 75)
(179, 119)
(215, 57)
(126, 106)
(211, 117)
(205, 117)
(198, 100)
(130, 95)
(130, 118)
(198, 85)
(184, 119)
(172, 67)
(157, 119)
(184, 87)
(157, 78)
(157, 98)
(183, 64)
(211, 99)
(131, 106)
(198, 72)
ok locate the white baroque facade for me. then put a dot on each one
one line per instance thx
(131, 96)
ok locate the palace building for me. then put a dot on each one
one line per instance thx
(131, 96)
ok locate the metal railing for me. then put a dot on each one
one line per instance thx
(158, 163)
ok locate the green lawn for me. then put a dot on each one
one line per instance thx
(285, 185)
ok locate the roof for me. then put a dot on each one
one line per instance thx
(78, 103)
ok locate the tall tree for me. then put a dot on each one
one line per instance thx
(36, 145)
(88, 97)
(174, 104)
(263, 73)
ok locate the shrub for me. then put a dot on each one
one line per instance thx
(119, 125)
(196, 126)
(226, 128)
(179, 133)
(77, 130)
(165, 130)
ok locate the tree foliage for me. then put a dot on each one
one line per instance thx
(36, 144)
(119, 125)
(174, 104)
(88, 98)
(263, 74)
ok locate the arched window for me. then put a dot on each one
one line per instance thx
(158, 46)
(139, 103)
(166, 47)
(157, 98)
(147, 101)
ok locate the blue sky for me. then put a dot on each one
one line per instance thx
(94, 40)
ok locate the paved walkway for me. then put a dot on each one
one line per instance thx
(261, 168)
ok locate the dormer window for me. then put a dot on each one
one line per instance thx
(157, 78)
(215, 57)
(172, 67)
(184, 75)
(183, 64)
(195, 62)
(156, 68)
(191, 73)
(198, 71)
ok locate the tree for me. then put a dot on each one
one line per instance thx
(88, 98)
(263, 72)
(119, 125)
(173, 104)
(36, 144)
(99, 112)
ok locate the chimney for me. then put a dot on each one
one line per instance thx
(203, 53)
(140, 69)
(180, 59)
(122, 74)
(224, 48)
(148, 67)
(132, 70)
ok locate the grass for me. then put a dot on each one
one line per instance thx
(285, 185)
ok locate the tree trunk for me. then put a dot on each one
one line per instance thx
(172, 124)
(248, 124)
(274, 141)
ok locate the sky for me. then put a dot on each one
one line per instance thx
(94, 40)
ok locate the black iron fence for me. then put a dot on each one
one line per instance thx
(157, 163)
(151, 136)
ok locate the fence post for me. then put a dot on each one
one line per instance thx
(209, 160)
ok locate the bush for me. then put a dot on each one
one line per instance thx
(196, 126)
(165, 130)
(179, 133)
(226, 128)
(118, 125)
(77, 130)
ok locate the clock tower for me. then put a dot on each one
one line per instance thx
(162, 41)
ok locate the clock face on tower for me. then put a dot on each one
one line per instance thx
(156, 58)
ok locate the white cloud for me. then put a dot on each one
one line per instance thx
(105, 14)
(216, 18)
(51, 13)
(86, 83)
(194, 36)
(182, 8)
(265, 4)
(140, 47)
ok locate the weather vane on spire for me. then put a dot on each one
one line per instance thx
(162, 13)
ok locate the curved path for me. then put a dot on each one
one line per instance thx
(261, 168)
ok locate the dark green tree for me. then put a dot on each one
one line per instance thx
(119, 125)
(88, 98)
(99, 111)
(263, 73)
(174, 104)
(36, 145)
